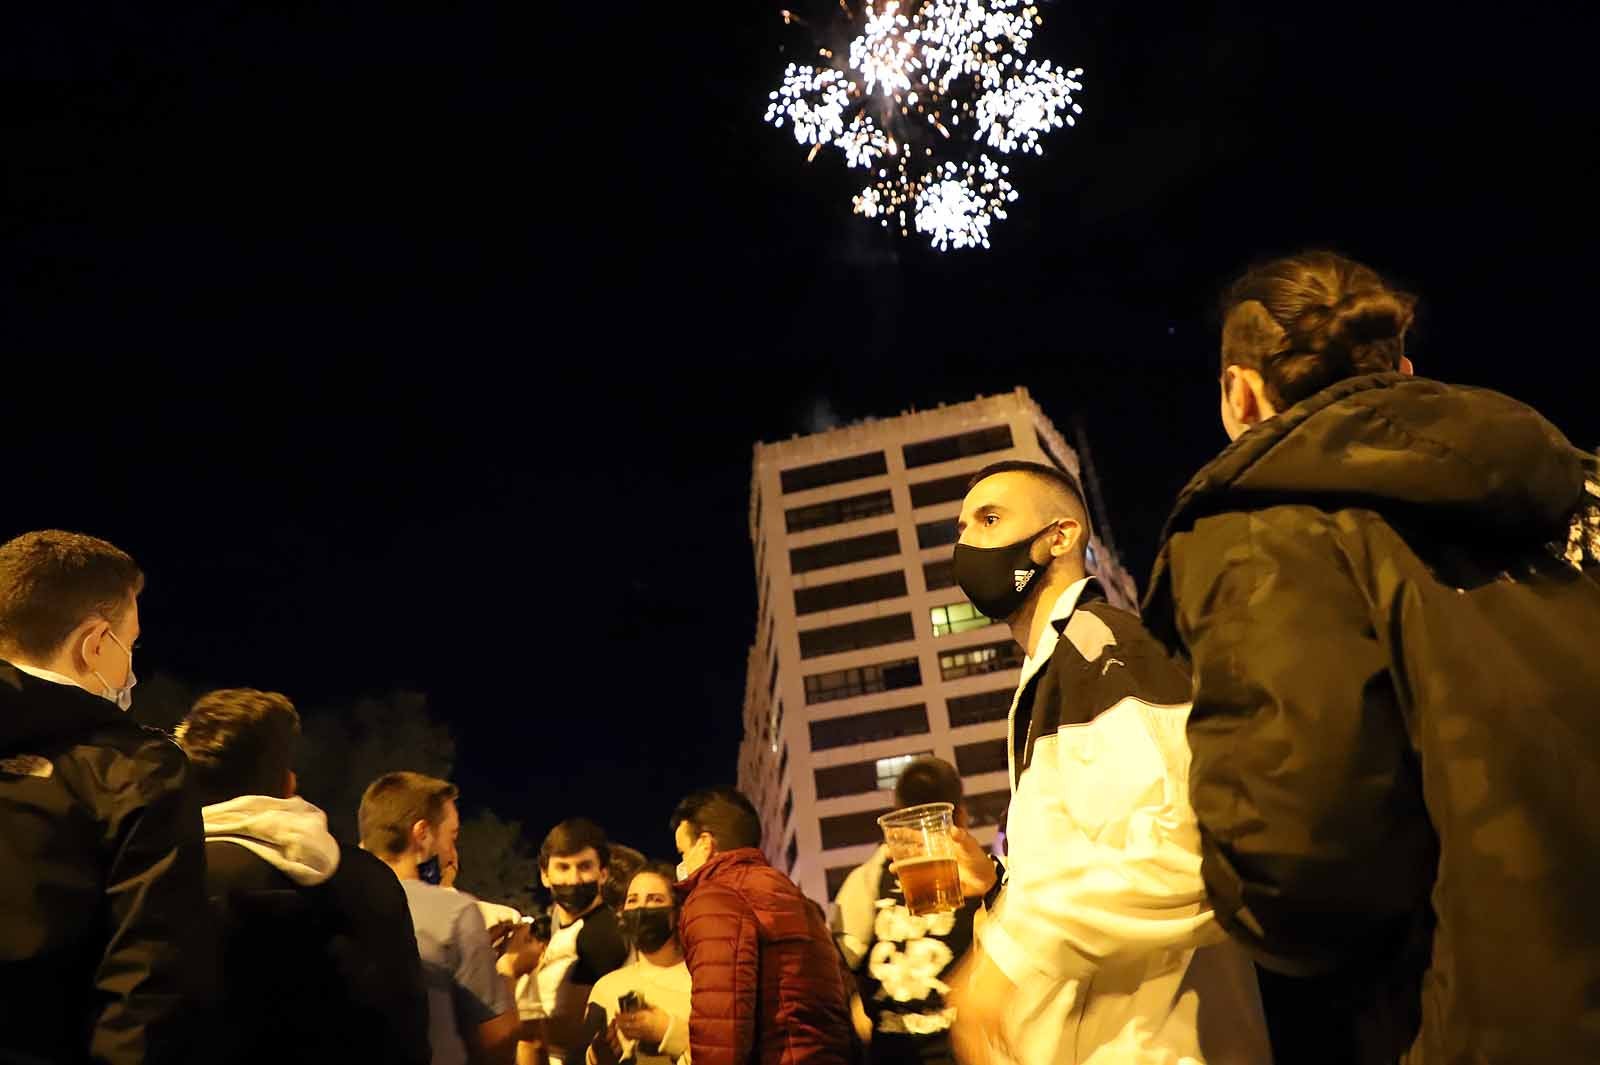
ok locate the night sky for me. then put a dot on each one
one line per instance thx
(423, 346)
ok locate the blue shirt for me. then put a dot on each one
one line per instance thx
(464, 990)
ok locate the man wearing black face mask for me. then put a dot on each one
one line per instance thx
(1101, 927)
(410, 822)
(639, 1014)
(585, 941)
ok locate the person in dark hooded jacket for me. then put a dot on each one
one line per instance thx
(1387, 590)
(319, 960)
(105, 950)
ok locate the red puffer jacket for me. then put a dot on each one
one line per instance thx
(767, 985)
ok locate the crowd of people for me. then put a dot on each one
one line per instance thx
(1327, 800)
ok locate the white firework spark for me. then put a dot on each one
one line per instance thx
(975, 38)
(864, 142)
(813, 101)
(958, 201)
(885, 51)
(931, 86)
(1029, 104)
(868, 202)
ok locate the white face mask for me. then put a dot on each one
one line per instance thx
(689, 866)
(123, 696)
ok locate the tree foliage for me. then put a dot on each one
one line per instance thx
(344, 750)
(161, 700)
(497, 863)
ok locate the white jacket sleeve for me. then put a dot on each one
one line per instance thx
(855, 909)
(1104, 852)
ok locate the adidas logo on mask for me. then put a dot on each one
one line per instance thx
(1023, 576)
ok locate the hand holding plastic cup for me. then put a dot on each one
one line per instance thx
(924, 852)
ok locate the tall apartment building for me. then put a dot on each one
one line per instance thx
(866, 653)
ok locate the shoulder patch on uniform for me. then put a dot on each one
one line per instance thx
(28, 765)
(1089, 635)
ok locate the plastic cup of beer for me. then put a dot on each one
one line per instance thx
(924, 855)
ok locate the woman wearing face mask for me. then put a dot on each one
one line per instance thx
(639, 1014)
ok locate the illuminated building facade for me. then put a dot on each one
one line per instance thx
(866, 653)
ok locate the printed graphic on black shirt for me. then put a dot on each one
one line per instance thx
(903, 980)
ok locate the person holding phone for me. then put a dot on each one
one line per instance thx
(585, 938)
(639, 1014)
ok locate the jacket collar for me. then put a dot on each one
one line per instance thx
(1207, 490)
(35, 712)
(47, 674)
(1215, 476)
(721, 863)
(1066, 604)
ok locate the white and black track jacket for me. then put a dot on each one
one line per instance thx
(1103, 922)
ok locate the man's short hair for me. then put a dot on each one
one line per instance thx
(51, 581)
(1059, 482)
(727, 815)
(928, 779)
(396, 801)
(240, 741)
(571, 837)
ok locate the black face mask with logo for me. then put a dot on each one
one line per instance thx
(576, 898)
(997, 579)
(648, 927)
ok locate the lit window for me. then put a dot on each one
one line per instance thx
(987, 658)
(956, 617)
(889, 769)
(845, 683)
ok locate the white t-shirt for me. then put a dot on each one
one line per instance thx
(493, 912)
(666, 988)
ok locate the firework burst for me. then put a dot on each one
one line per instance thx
(929, 90)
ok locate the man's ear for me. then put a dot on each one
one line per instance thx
(86, 640)
(1071, 539)
(1242, 390)
(544, 878)
(291, 785)
(1406, 367)
(605, 875)
(419, 831)
(1236, 393)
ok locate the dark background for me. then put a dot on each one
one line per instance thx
(415, 347)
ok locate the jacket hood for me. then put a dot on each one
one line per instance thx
(721, 864)
(291, 835)
(35, 713)
(1392, 442)
(1409, 448)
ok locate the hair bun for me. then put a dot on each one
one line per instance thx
(1308, 320)
(1361, 330)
